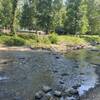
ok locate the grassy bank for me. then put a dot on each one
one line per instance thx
(47, 40)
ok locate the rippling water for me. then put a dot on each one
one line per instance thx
(87, 62)
(22, 74)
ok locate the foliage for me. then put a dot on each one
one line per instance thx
(27, 19)
(83, 22)
(27, 36)
(93, 38)
(53, 37)
(72, 40)
(74, 16)
(71, 23)
(5, 13)
(12, 40)
(13, 20)
(58, 14)
(44, 14)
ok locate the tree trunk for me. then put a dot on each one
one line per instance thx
(13, 31)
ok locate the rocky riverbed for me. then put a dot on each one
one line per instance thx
(24, 74)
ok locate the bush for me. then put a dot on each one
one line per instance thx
(53, 38)
(46, 40)
(14, 41)
(27, 36)
(91, 38)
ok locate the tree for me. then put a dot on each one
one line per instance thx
(13, 21)
(77, 20)
(44, 14)
(58, 14)
(25, 17)
(5, 13)
(28, 19)
(72, 16)
(83, 22)
(94, 16)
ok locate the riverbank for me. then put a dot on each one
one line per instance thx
(53, 42)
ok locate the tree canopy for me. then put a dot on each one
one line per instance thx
(74, 16)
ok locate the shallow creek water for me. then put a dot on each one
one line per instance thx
(22, 74)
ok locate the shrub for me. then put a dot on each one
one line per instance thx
(91, 38)
(46, 40)
(14, 41)
(27, 36)
(53, 38)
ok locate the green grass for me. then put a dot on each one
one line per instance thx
(53, 38)
(46, 40)
(72, 40)
(93, 38)
(12, 40)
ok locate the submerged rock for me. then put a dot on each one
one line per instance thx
(57, 57)
(46, 97)
(61, 82)
(55, 71)
(71, 98)
(70, 92)
(76, 86)
(57, 93)
(39, 95)
(64, 74)
(17, 98)
(46, 89)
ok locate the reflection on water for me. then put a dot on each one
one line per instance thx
(3, 78)
(86, 61)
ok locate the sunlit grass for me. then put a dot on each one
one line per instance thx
(44, 40)
(73, 40)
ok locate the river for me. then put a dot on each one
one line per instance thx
(23, 73)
